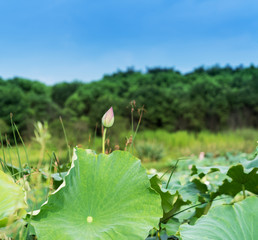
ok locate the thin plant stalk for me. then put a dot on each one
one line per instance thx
(51, 162)
(132, 110)
(4, 166)
(166, 172)
(66, 140)
(137, 127)
(8, 146)
(16, 145)
(132, 120)
(24, 147)
(95, 135)
(104, 140)
(42, 153)
(51, 157)
(196, 205)
(57, 162)
(172, 173)
(243, 189)
(180, 159)
(28, 221)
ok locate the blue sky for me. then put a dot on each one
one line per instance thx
(57, 40)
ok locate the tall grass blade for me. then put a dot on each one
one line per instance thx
(16, 145)
(141, 110)
(132, 110)
(24, 147)
(66, 140)
(3, 162)
(8, 146)
(95, 136)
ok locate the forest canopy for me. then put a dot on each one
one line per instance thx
(214, 98)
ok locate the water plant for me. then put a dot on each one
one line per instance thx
(111, 196)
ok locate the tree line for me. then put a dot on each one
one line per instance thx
(212, 98)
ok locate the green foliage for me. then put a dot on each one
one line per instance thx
(13, 100)
(171, 226)
(103, 197)
(42, 134)
(106, 196)
(28, 101)
(243, 177)
(231, 222)
(224, 144)
(4, 128)
(214, 99)
(62, 91)
(239, 177)
(186, 200)
(110, 196)
(150, 151)
(12, 204)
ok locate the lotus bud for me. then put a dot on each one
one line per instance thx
(108, 118)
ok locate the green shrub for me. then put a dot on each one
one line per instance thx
(150, 151)
(3, 126)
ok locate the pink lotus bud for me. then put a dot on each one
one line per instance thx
(202, 155)
(108, 118)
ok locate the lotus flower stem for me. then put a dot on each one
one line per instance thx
(16, 146)
(243, 189)
(66, 140)
(172, 173)
(164, 220)
(103, 140)
(137, 127)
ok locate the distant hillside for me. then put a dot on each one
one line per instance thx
(214, 98)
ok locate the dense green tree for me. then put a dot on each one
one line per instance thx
(208, 98)
(12, 100)
(62, 91)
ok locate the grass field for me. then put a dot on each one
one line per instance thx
(155, 148)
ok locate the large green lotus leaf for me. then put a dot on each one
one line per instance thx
(226, 222)
(102, 197)
(191, 191)
(202, 171)
(247, 178)
(250, 164)
(12, 199)
(177, 195)
(168, 200)
(171, 203)
(171, 226)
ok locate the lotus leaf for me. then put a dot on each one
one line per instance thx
(102, 197)
(230, 222)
